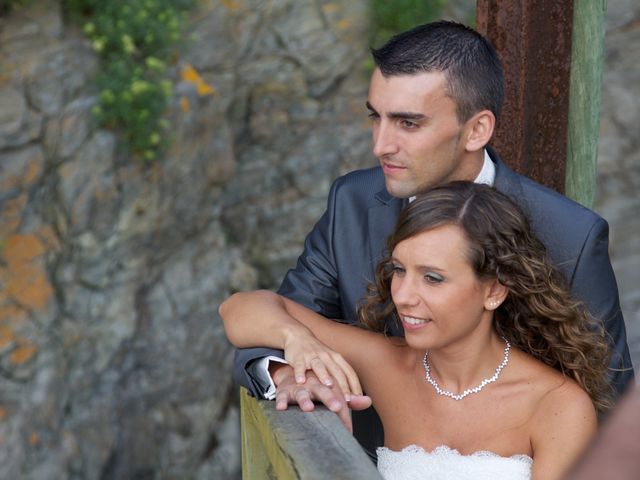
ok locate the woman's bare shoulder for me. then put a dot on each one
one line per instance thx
(542, 377)
(561, 418)
(563, 425)
(565, 403)
(549, 391)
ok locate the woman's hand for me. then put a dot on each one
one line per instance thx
(303, 351)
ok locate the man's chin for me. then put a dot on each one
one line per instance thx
(398, 190)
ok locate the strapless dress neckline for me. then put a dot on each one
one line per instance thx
(444, 463)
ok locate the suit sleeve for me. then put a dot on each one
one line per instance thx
(595, 284)
(246, 372)
(313, 283)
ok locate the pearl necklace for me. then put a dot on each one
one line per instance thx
(468, 391)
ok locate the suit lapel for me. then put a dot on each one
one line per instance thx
(381, 219)
(507, 180)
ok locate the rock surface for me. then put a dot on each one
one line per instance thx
(618, 200)
(113, 362)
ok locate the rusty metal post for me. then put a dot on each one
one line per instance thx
(533, 39)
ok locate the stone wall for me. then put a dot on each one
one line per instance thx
(113, 362)
(618, 200)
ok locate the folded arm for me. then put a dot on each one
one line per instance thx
(312, 283)
(264, 318)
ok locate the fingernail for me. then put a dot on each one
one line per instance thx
(328, 382)
(299, 379)
(335, 406)
(347, 397)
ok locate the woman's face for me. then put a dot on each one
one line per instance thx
(438, 297)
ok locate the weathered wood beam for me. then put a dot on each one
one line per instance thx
(298, 445)
(533, 39)
(587, 55)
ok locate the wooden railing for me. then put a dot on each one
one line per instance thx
(293, 444)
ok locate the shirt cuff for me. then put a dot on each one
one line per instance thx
(262, 370)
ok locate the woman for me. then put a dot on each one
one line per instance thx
(500, 373)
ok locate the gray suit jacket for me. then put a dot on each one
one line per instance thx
(341, 253)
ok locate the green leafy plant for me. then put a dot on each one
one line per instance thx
(135, 40)
(7, 5)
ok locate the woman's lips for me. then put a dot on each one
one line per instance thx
(413, 323)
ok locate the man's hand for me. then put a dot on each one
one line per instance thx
(288, 391)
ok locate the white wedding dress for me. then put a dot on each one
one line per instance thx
(444, 463)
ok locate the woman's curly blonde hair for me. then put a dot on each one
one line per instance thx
(538, 316)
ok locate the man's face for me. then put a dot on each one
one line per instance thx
(416, 134)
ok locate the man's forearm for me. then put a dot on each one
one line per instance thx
(248, 372)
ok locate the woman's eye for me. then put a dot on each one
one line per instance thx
(433, 278)
(396, 269)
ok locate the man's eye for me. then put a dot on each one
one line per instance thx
(373, 115)
(409, 124)
(433, 278)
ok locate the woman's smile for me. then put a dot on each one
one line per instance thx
(412, 323)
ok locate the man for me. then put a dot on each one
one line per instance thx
(434, 100)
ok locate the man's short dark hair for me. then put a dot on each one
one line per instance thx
(475, 80)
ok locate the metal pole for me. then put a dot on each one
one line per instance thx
(533, 39)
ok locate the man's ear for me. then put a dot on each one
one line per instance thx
(495, 295)
(479, 129)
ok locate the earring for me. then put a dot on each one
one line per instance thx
(494, 304)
